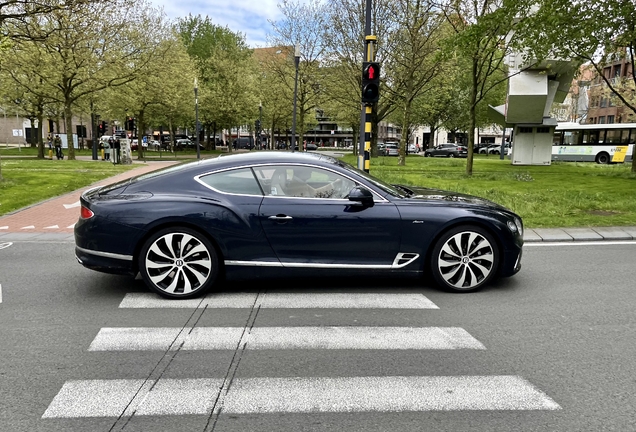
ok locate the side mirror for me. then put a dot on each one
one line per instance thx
(361, 195)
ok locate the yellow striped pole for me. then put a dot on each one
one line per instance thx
(367, 137)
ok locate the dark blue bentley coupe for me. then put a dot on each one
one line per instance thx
(278, 213)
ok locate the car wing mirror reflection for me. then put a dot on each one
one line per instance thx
(361, 196)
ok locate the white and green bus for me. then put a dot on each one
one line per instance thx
(600, 143)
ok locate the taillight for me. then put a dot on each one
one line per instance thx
(86, 213)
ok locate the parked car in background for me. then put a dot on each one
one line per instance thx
(277, 214)
(447, 150)
(312, 146)
(496, 149)
(186, 144)
(412, 148)
(391, 149)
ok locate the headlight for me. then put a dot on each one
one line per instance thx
(519, 225)
(515, 226)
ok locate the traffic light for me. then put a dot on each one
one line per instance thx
(370, 82)
(257, 125)
(102, 128)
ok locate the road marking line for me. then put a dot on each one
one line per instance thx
(52, 227)
(108, 398)
(75, 204)
(226, 338)
(575, 243)
(28, 227)
(0, 293)
(4, 227)
(5, 245)
(285, 301)
(71, 226)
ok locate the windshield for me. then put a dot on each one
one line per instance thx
(388, 188)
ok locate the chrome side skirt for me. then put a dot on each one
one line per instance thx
(401, 260)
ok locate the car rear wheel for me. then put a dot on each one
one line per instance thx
(178, 263)
(427, 155)
(464, 259)
(451, 155)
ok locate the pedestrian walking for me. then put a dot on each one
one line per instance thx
(49, 143)
(57, 142)
(107, 147)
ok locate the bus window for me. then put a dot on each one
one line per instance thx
(613, 136)
(625, 138)
(592, 137)
(571, 137)
(557, 138)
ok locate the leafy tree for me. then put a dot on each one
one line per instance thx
(227, 72)
(414, 59)
(598, 33)
(485, 32)
(303, 25)
(89, 47)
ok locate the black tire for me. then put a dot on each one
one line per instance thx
(602, 158)
(451, 155)
(427, 155)
(464, 259)
(178, 270)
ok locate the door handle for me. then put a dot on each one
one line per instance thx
(280, 218)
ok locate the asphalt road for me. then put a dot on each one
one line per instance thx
(551, 349)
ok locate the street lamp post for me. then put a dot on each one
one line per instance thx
(260, 124)
(196, 116)
(296, 61)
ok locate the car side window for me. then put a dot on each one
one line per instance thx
(238, 181)
(302, 181)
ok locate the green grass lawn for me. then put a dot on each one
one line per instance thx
(560, 195)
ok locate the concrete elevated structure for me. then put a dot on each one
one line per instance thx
(532, 89)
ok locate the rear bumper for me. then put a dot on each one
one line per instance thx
(105, 262)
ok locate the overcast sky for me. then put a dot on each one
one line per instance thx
(249, 17)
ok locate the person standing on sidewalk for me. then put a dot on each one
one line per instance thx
(49, 143)
(57, 142)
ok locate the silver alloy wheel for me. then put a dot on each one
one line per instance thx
(178, 263)
(465, 260)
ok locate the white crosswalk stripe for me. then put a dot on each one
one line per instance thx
(224, 338)
(109, 398)
(155, 396)
(284, 301)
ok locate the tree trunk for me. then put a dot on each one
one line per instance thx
(39, 131)
(141, 127)
(405, 130)
(473, 120)
(68, 114)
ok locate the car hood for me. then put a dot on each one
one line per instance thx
(427, 194)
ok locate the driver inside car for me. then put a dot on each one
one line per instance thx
(299, 186)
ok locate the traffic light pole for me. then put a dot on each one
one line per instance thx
(364, 145)
(366, 114)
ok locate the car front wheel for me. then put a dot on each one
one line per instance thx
(451, 155)
(178, 263)
(464, 259)
(427, 155)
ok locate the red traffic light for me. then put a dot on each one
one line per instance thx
(370, 82)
